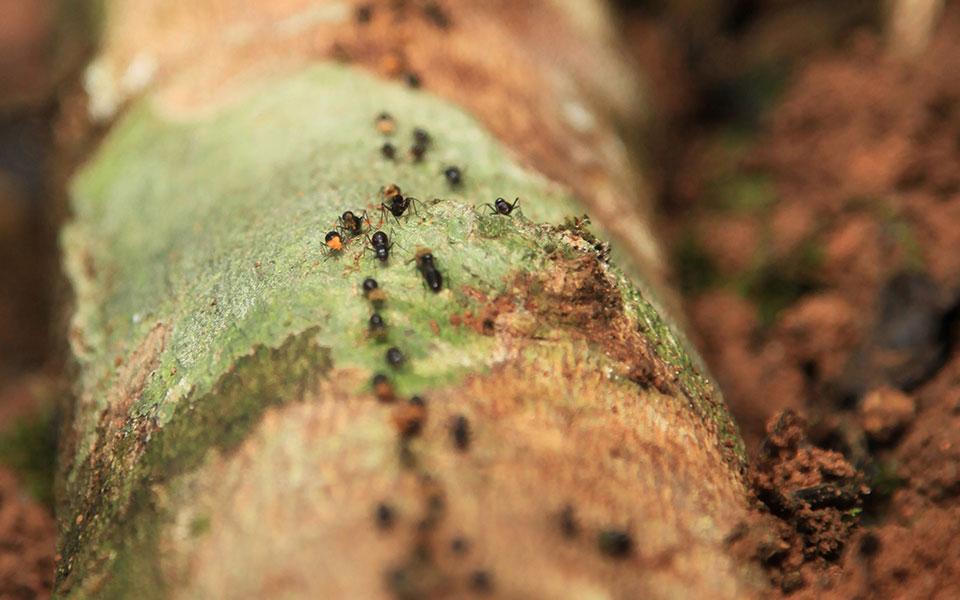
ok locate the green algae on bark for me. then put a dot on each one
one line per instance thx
(199, 240)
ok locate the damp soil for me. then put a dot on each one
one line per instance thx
(814, 220)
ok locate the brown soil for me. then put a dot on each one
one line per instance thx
(27, 536)
(817, 247)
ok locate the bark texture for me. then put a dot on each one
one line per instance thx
(226, 440)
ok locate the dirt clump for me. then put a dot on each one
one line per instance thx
(885, 412)
(816, 249)
(814, 493)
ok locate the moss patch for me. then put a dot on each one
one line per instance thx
(29, 447)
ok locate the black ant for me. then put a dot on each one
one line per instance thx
(615, 543)
(396, 203)
(412, 79)
(385, 516)
(427, 268)
(436, 15)
(454, 176)
(421, 142)
(388, 151)
(352, 223)
(395, 357)
(372, 292)
(502, 207)
(460, 433)
(381, 246)
(378, 328)
(568, 522)
(421, 137)
(409, 418)
(481, 581)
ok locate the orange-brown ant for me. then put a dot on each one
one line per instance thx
(385, 123)
(353, 223)
(502, 207)
(409, 418)
(383, 389)
(372, 292)
(333, 243)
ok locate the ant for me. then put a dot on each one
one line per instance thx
(427, 268)
(388, 151)
(395, 357)
(412, 79)
(383, 389)
(460, 433)
(409, 418)
(333, 242)
(421, 142)
(378, 328)
(454, 176)
(396, 203)
(381, 246)
(385, 123)
(353, 223)
(372, 292)
(502, 207)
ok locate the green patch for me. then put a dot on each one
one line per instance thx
(777, 283)
(695, 269)
(122, 504)
(199, 526)
(743, 193)
(29, 447)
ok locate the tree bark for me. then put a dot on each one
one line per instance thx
(226, 439)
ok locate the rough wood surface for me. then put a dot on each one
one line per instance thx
(226, 440)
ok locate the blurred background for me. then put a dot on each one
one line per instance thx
(806, 157)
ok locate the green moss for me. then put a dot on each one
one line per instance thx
(695, 269)
(123, 508)
(29, 447)
(776, 283)
(749, 192)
